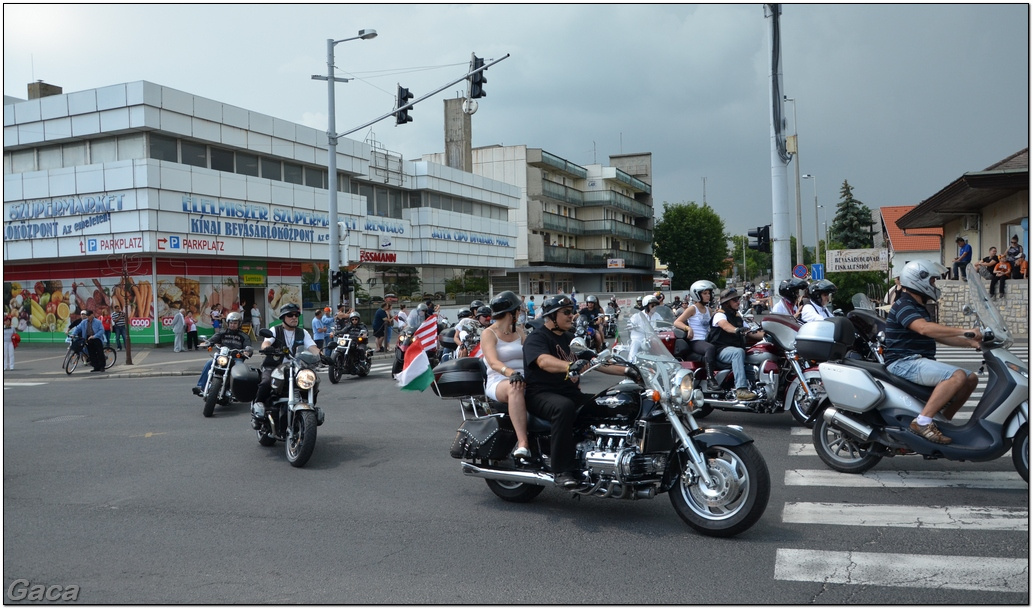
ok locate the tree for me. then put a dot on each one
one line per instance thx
(690, 239)
(757, 263)
(852, 226)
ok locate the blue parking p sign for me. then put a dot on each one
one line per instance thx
(817, 271)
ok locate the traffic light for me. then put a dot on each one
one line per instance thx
(346, 280)
(477, 80)
(402, 116)
(335, 279)
(763, 235)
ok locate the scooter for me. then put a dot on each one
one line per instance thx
(868, 410)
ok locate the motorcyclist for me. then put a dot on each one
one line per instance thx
(638, 304)
(821, 295)
(911, 338)
(418, 316)
(729, 338)
(591, 315)
(695, 320)
(355, 328)
(288, 335)
(552, 375)
(638, 323)
(468, 330)
(341, 324)
(231, 336)
(790, 291)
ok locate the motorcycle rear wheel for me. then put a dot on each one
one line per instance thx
(1020, 452)
(515, 492)
(741, 496)
(840, 451)
(303, 441)
(213, 396)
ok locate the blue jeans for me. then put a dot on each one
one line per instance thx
(120, 332)
(204, 373)
(922, 371)
(737, 358)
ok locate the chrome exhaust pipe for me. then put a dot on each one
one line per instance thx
(526, 477)
(854, 428)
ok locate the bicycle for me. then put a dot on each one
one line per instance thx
(77, 352)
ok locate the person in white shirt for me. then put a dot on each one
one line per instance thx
(790, 290)
(821, 296)
(695, 320)
(641, 320)
(8, 344)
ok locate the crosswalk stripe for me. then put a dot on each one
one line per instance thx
(906, 479)
(928, 517)
(21, 384)
(904, 570)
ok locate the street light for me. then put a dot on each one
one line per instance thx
(808, 176)
(824, 224)
(796, 162)
(331, 134)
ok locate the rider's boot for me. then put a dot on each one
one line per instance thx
(257, 415)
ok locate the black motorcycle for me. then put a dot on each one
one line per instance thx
(634, 441)
(351, 355)
(229, 379)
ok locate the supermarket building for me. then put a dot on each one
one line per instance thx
(155, 199)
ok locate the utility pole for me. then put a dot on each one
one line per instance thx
(779, 156)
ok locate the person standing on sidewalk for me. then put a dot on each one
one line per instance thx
(179, 328)
(8, 343)
(192, 344)
(118, 324)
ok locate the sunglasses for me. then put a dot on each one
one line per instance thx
(567, 311)
(293, 315)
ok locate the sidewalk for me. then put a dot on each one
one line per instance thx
(39, 362)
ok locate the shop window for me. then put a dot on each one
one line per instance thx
(194, 154)
(247, 164)
(292, 173)
(163, 148)
(222, 160)
(132, 147)
(271, 170)
(314, 177)
(103, 150)
(50, 158)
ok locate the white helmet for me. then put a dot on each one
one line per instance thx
(920, 276)
(696, 290)
(649, 300)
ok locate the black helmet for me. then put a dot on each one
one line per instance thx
(555, 303)
(464, 313)
(484, 311)
(476, 305)
(506, 302)
(290, 307)
(790, 287)
(823, 287)
(423, 307)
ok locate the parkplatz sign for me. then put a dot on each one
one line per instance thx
(845, 261)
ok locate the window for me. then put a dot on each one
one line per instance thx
(383, 204)
(365, 190)
(194, 154)
(132, 147)
(396, 204)
(247, 164)
(50, 158)
(314, 177)
(103, 150)
(222, 160)
(292, 173)
(271, 169)
(163, 148)
(74, 154)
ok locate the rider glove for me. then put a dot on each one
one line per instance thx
(516, 377)
(578, 366)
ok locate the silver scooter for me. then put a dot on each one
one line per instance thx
(868, 411)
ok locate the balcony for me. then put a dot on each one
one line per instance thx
(562, 224)
(617, 229)
(562, 194)
(609, 198)
(636, 260)
(564, 255)
(634, 182)
(540, 158)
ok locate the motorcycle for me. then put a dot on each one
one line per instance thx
(291, 415)
(229, 379)
(774, 371)
(610, 319)
(634, 441)
(405, 339)
(868, 410)
(870, 329)
(350, 356)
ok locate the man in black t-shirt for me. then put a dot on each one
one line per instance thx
(553, 373)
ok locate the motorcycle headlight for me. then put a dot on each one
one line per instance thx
(683, 386)
(342, 341)
(306, 379)
(222, 361)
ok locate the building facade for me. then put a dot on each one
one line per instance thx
(581, 227)
(156, 199)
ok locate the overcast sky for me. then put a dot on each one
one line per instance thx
(898, 100)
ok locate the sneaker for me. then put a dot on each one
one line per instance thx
(929, 432)
(745, 395)
(567, 480)
(197, 390)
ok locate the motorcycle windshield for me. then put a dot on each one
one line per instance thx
(653, 349)
(985, 310)
(861, 301)
(665, 312)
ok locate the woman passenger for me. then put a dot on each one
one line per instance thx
(502, 347)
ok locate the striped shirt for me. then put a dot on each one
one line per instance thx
(901, 342)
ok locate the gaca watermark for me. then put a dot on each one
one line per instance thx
(24, 590)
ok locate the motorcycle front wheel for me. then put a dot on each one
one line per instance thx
(516, 492)
(302, 442)
(334, 372)
(738, 499)
(213, 396)
(1020, 452)
(841, 451)
(797, 402)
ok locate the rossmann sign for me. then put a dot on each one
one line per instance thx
(375, 256)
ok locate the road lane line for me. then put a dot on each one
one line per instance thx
(906, 479)
(927, 517)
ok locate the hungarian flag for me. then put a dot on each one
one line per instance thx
(476, 351)
(416, 374)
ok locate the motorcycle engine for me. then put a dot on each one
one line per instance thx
(614, 455)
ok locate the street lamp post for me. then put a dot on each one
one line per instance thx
(331, 133)
(808, 176)
(824, 224)
(796, 162)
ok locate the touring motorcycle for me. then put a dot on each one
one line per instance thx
(230, 378)
(868, 410)
(633, 440)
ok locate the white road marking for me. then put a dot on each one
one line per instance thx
(927, 517)
(906, 479)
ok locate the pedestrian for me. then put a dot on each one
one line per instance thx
(105, 322)
(389, 325)
(118, 323)
(216, 316)
(895, 291)
(1002, 271)
(179, 328)
(988, 265)
(318, 328)
(192, 343)
(401, 318)
(256, 318)
(9, 334)
(91, 331)
(379, 319)
(964, 257)
(530, 308)
(1023, 266)
(1012, 256)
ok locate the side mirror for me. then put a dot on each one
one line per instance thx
(967, 309)
(265, 333)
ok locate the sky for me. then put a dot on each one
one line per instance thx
(897, 100)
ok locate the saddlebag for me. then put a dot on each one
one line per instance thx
(488, 437)
(245, 381)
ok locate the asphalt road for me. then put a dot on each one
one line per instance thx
(121, 487)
